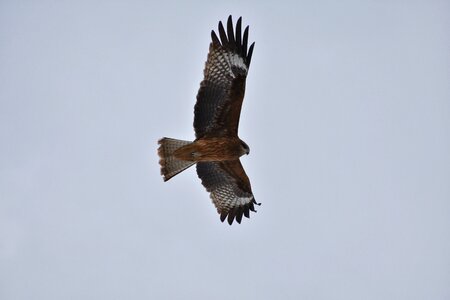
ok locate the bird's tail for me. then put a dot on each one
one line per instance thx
(170, 165)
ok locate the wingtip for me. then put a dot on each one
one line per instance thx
(230, 33)
(249, 54)
(239, 215)
(220, 27)
(247, 212)
(222, 34)
(231, 215)
(246, 30)
(230, 37)
(214, 38)
(223, 216)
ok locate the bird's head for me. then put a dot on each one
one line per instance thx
(245, 148)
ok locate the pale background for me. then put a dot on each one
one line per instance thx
(347, 114)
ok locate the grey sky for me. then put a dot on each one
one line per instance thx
(347, 114)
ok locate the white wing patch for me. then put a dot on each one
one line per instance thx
(221, 63)
(238, 61)
(225, 198)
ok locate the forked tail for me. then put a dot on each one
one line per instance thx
(171, 166)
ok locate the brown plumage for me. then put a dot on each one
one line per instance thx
(217, 147)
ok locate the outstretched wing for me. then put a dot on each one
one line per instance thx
(229, 188)
(221, 92)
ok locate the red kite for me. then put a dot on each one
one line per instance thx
(217, 147)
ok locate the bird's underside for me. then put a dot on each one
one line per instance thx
(217, 147)
(211, 149)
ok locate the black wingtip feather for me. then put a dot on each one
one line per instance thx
(230, 217)
(223, 35)
(245, 42)
(223, 216)
(252, 206)
(230, 33)
(249, 55)
(238, 35)
(247, 212)
(215, 39)
(239, 213)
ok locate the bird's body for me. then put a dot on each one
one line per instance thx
(217, 147)
(212, 149)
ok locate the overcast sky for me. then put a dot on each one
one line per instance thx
(347, 114)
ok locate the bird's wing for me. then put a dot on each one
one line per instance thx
(221, 92)
(229, 188)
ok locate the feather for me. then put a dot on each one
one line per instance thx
(246, 212)
(223, 35)
(215, 39)
(238, 35)
(223, 216)
(231, 215)
(239, 213)
(250, 52)
(244, 42)
(231, 41)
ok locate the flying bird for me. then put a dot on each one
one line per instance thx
(217, 147)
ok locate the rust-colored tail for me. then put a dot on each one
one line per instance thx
(171, 166)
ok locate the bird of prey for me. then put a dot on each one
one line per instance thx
(217, 147)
